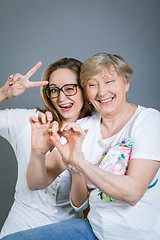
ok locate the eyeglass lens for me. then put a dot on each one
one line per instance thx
(68, 90)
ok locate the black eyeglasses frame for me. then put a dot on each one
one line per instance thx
(47, 89)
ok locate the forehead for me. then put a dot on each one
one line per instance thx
(63, 76)
(105, 73)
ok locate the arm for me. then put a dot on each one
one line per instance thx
(17, 84)
(79, 190)
(78, 183)
(128, 188)
(42, 170)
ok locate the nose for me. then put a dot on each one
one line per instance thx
(61, 96)
(102, 90)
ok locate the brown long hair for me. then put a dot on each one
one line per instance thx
(73, 65)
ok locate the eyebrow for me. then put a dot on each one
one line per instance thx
(54, 85)
(104, 77)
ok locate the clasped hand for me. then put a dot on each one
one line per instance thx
(71, 151)
(46, 135)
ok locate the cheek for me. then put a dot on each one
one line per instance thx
(80, 100)
(54, 102)
(89, 93)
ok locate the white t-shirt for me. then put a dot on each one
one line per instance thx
(119, 221)
(32, 208)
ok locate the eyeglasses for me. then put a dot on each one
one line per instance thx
(67, 89)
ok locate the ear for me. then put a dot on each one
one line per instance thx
(127, 86)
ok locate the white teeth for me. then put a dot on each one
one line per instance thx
(65, 105)
(105, 101)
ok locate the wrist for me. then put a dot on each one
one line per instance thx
(79, 165)
(82, 165)
(36, 153)
(4, 94)
(75, 172)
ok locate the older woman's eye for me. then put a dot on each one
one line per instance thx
(92, 84)
(110, 81)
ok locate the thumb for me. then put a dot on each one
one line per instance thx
(55, 139)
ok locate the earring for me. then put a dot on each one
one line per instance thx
(127, 94)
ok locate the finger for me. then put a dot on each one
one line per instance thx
(73, 126)
(33, 70)
(66, 134)
(55, 127)
(13, 78)
(55, 135)
(56, 141)
(49, 116)
(42, 117)
(37, 84)
(10, 79)
(33, 119)
(67, 127)
(63, 127)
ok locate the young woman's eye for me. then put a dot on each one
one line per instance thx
(53, 90)
(69, 88)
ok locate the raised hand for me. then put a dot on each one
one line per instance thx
(18, 83)
(40, 138)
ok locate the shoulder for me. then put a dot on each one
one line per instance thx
(148, 111)
(17, 114)
(88, 122)
(146, 134)
(14, 121)
(147, 115)
(146, 123)
(19, 111)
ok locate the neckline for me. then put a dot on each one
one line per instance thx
(99, 117)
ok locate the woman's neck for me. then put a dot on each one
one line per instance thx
(113, 124)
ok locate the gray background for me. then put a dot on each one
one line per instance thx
(47, 30)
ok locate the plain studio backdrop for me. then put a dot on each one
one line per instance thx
(48, 30)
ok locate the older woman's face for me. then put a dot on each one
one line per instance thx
(107, 92)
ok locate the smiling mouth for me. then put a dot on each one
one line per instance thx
(66, 106)
(106, 100)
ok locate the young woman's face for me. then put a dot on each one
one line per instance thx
(69, 107)
(107, 92)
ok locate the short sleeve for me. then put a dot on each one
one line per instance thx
(82, 207)
(146, 135)
(13, 122)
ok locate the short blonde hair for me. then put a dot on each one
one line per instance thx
(95, 64)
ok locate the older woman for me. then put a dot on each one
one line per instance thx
(118, 153)
(63, 97)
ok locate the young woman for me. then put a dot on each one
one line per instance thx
(36, 208)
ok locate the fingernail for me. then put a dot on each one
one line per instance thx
(49, 117)
(44, 120)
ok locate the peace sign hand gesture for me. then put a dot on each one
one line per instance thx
(17, 83)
